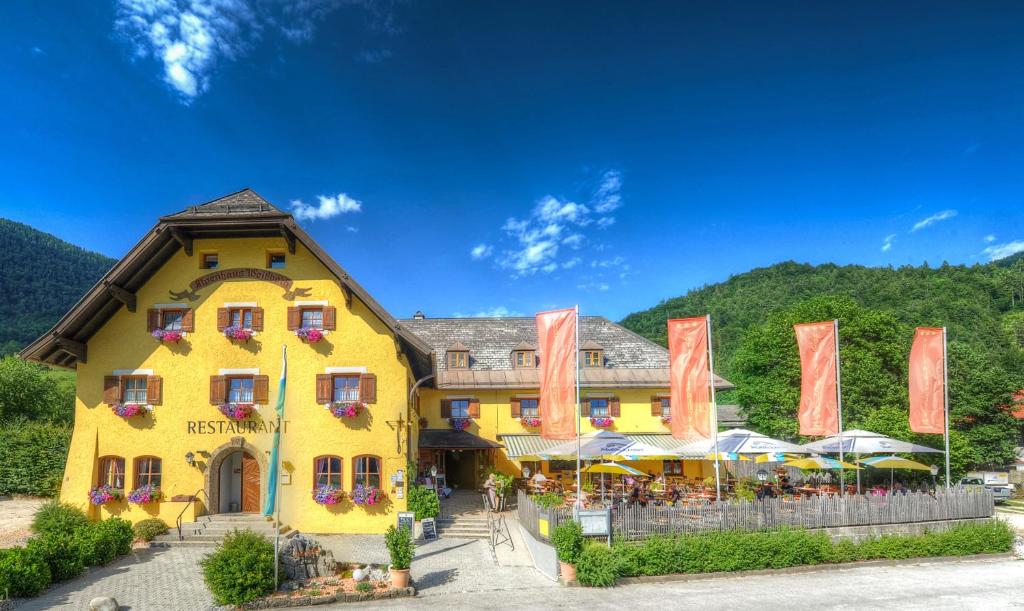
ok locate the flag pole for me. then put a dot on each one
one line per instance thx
(714, 409)
(945, 401)
(279, 464)
(579, 479)
(839, 406)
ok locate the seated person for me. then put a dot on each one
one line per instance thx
(765, 491)
(674, 494)
(636, 495)
(538, 478)
(786, 486)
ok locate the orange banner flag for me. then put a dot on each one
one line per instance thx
(819, 406)
(688, 377)
(927, 394)
(556, 342)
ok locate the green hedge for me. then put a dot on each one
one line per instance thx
(600, 565)
(33, 456)
(23, 572)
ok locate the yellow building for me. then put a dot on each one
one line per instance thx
(188, 329)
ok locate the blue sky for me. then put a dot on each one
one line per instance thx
(463, 158)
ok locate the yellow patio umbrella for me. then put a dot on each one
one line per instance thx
(893, 462)
(775, 457)
(614, 468)
(727, 456)
(819, 462)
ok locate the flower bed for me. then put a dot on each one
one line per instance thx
(602, 422)
(168, 337)
(529, 421)
(101, 495)
(340, 588)
(459, 424)
(236, 411)
(310, 335)
(346, 409)
(145, 494)
(328, 495)
(367, 495)
(238, 333)
(129, 410)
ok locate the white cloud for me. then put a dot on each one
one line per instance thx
(327, 207)
(605, 221)
(495, 312)
(352, 229)
(887, 242)
(935, 218)
(573, 241)
(989, 238)
(608, 195)
(481, 251)
(571, 263)
(594, 286)
(1001, 251)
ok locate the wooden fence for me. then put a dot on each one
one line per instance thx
(636, 522)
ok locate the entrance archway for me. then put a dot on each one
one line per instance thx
(234, 478)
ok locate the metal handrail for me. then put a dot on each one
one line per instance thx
(177, 522)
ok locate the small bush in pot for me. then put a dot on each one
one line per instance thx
(568, 541)
(400, 547)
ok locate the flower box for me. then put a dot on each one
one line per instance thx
(601, 422)
(346, 409)
(130, 410)
(460, 424)
(530, 421)
(145, 494)
(237, 333)
(167, 337)
(367, 495)
(101, 495)
(237, 411)
(666, 419)
(310, 335)
(328, 495)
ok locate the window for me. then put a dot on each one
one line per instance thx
(147, 471)
(240, 317)
(275, 260)
(592, 358)
(523, 359)
(460, 408)
(366, 471)
(528, 408)
(673, 467)
(327, 471)
(666, 406)
(240, 390)
(170, 320)
(210, 261)
(562, 465)
(346, 388)
(458, 360)
(598, 407)
(134, 389)
(111, 472)
(312, 318)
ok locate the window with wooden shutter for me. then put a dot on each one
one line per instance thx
(294, 318)
(474, 408)
(261, 390)
(111, 390)
(188, 324)
(218, 389)
(615, 407)
(330, 318)
(446, 408)
(323, 388)
(222, 319)
(257, 319)
(152, 320)
(111, 472)
(147, 471)
(656, 406)
(368, 388)
(529, 408)
(154, 390)
(515, 406)
(585, 408)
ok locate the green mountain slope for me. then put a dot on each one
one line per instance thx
(41, 278)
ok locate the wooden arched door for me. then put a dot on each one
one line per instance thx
(250, 483)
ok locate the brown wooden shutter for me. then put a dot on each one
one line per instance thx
(446, 408)
(515, 407)
(261, 390)
(257, 319)
(368, 388)
(154, 390)
(656, 406)
(188, 321)
(223, 320)
(474, 408)
(614, 407)
(294, 318)
(324, 386)
(111, 390)
(218, 389)
(152, 320)
(585, 408)
(330, 318)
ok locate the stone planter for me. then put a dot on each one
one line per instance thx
(400, 578)
(566, 571)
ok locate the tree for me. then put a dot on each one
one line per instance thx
(34, 392)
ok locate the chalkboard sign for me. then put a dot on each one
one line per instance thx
(429, 528)
(406, 519)
(442, 483)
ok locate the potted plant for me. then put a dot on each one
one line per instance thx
(400, 547)
(147, 493)
(568, 541)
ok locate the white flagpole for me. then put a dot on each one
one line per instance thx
(714, 409)
(579, 479)
(839, 405)
(945, 401)
(277, 484)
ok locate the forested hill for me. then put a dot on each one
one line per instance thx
(41, 277)
(981, 304)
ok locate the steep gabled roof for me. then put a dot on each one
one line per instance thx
(241, 214)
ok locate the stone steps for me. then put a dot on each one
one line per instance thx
(463, 528)
(208, 531)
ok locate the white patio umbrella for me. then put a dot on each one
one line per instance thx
(593, 446)
(859, 441)
(740, 441)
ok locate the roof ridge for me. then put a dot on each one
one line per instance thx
(223, 206)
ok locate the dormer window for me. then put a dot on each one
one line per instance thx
(458, 356)
(592, 354)
(524, 356)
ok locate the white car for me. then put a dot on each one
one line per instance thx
(1000, 492)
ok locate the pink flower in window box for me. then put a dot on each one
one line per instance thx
(309, 334)
(145, 494)
(367, 495)
(168, 337)
(101, 495)
(128, 410)
(459, 424)
(236, 411)
(530, 421)
(238, 333)
(346, 409)
(601, 422)
(666, 419)
(328, 495)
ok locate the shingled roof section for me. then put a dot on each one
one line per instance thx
(242, 203)
(630, 360)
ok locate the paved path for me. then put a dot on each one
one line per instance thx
(445, 566)
(15, 519)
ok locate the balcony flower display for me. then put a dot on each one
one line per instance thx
(367, 495)
(346, 409)
(145, 494)
(129, 410)
(530, 421)
(101, 495)
(666, 419)
(310, 335)
(238, 333)
(166, 336)
(602, 422)
(236, 411)
(328, 495)
(459, 424)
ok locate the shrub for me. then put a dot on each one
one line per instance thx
(423, 502)
(364, 586)
(33, 455)
(23, 572)
(103, 541)
(549, 500)
(597, 566)
(241, 569)
(400, 547)
(58, 518)
(61, 552)
(568, 541)
(147, 530)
